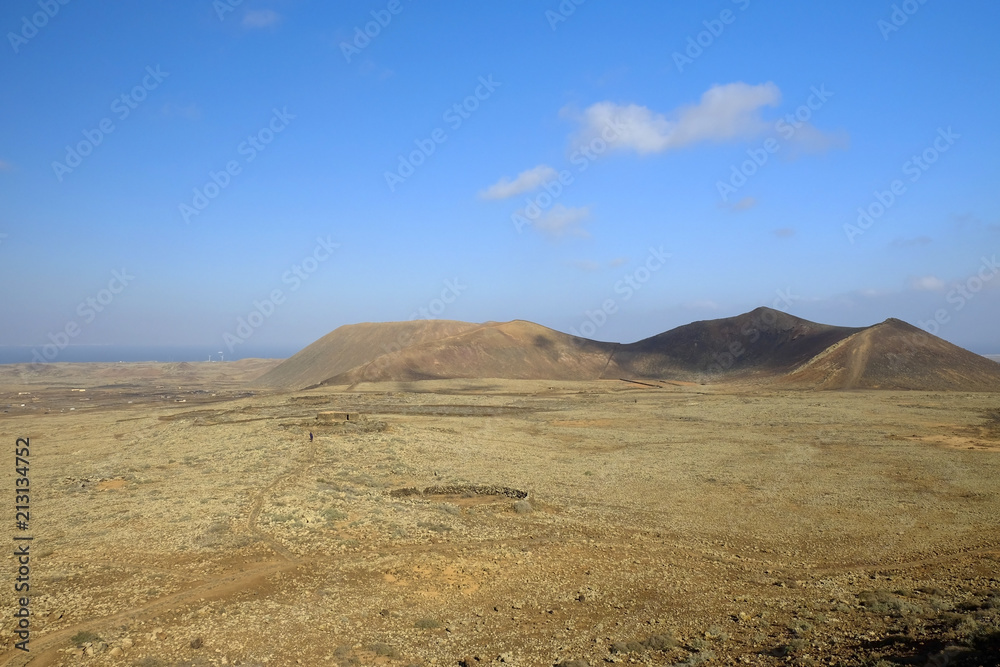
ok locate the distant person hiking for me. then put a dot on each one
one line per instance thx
(310, 436)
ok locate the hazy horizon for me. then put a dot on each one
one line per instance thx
(208, 170)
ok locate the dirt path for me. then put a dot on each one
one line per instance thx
(859, 360)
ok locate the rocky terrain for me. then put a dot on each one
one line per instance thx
(180, 519)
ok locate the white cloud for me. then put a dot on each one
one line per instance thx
(561, 221)
(260, 18)
(744, 204)
(725, 113)
(809, 140)
(525, 182)
(927, 284)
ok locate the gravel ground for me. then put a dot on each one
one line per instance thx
(658, 526)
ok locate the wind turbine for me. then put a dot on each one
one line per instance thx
(220, 356)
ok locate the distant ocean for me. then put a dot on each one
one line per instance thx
(22, 354)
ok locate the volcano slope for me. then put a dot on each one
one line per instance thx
(354, 345)
(897, 355)
(761, 346)
(762, 343)
(515, 350)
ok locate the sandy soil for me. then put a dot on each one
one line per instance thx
(672, 525)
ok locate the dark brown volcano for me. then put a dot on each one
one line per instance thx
(764, 345)
(762, 342)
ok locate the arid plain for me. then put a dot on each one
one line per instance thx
(182, 519)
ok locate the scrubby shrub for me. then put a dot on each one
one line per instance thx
(523, 507)
(381, 648)
(660, 643)
(697, 659)
(436, 527)
(885, 603)
(791, 647)
(800, 628)
(427, 623)
(332, 514)
(627, 647)
(84, 637)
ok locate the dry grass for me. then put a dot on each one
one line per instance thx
(669, 525)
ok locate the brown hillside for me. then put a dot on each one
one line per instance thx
(897, 355)
(515, 350)
(354, 345)
(762, 345)
(762, 342)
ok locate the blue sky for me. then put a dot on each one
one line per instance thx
(632, 166)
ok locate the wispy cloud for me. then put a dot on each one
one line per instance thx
(725, 113)
(784, 233)
(927, 284)
(561, 221)
(526, 181)
(809, 140)
(6, 166)
(744, 204)
(261, 18)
